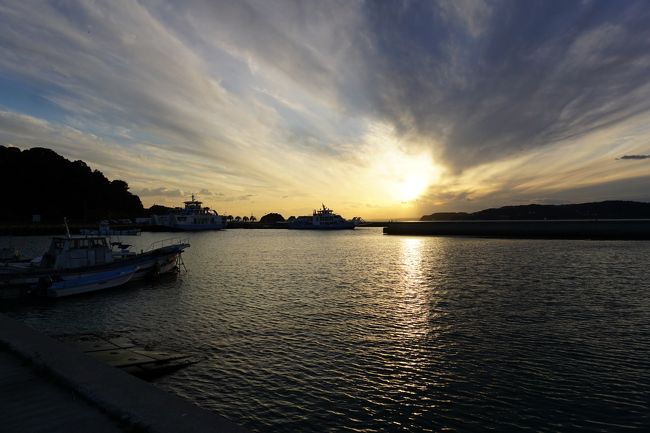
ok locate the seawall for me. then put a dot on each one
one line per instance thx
(544, 229)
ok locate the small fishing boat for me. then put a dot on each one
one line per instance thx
(90, 263)
(323, 219)
(77, 284)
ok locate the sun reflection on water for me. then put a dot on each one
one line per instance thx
(413, 301)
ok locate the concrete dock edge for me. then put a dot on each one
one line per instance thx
(118, 394)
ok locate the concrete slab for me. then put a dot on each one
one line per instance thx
(133, 402)
(92, 342)
(121, 358)
(34, 403)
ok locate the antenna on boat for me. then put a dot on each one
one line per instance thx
(67, 229)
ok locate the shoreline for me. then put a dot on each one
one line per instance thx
(45, 229)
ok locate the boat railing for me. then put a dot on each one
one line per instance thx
(168, 242)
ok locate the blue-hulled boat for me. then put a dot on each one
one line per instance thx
(77, 284)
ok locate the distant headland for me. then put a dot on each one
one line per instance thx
(612, 209)
(602, 220)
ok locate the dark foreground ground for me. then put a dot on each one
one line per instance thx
(47, 386)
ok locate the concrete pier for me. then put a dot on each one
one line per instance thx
(546, 229)
(47, 386)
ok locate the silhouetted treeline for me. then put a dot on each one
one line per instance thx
(600, 210)
(272, 218)
(158, 209)
(39, 181)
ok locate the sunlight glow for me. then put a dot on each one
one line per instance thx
(412, 187)
(409, 176)
(400, 170)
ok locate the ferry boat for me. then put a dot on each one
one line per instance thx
(193, 217)
(80, 264)
(323, 219)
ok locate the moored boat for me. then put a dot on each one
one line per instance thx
(91, 261)
(323, 219)
(193, 217)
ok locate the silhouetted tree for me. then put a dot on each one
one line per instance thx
(237, 218)
(272, 218)
(245, 219)
(40, 181)
(158, 209)
(253, 219)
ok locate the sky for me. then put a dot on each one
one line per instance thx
(378, 109)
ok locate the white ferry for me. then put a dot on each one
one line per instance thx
(323, 219)
(193, 217)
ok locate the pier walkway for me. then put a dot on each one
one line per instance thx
(47, 386)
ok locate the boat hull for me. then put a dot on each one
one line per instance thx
(346, 226)
(91, 283)
(197, 227)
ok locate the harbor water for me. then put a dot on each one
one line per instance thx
(358, 331)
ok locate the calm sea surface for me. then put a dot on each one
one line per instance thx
(357, 331)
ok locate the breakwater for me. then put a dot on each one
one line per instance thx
(544, 229)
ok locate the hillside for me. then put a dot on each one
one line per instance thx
(40, 181)
(599, 210)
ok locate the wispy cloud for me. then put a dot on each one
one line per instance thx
(160, 192)
(539, 74)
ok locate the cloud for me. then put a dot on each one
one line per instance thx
(139, 164)
(183, 78)
(243, 197)
(634, 157)
(25, 131)
(538, 74)
(160, 192)
(206, 192)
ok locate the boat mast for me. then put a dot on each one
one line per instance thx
(67, 229)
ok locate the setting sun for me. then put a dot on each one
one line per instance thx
(408, 176)
(412, 187)
(399, 171)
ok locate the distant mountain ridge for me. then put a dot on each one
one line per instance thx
(599, 210)
(39, 181)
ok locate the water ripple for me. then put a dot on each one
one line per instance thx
(361, 332)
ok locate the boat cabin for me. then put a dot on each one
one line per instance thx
(71, 253)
